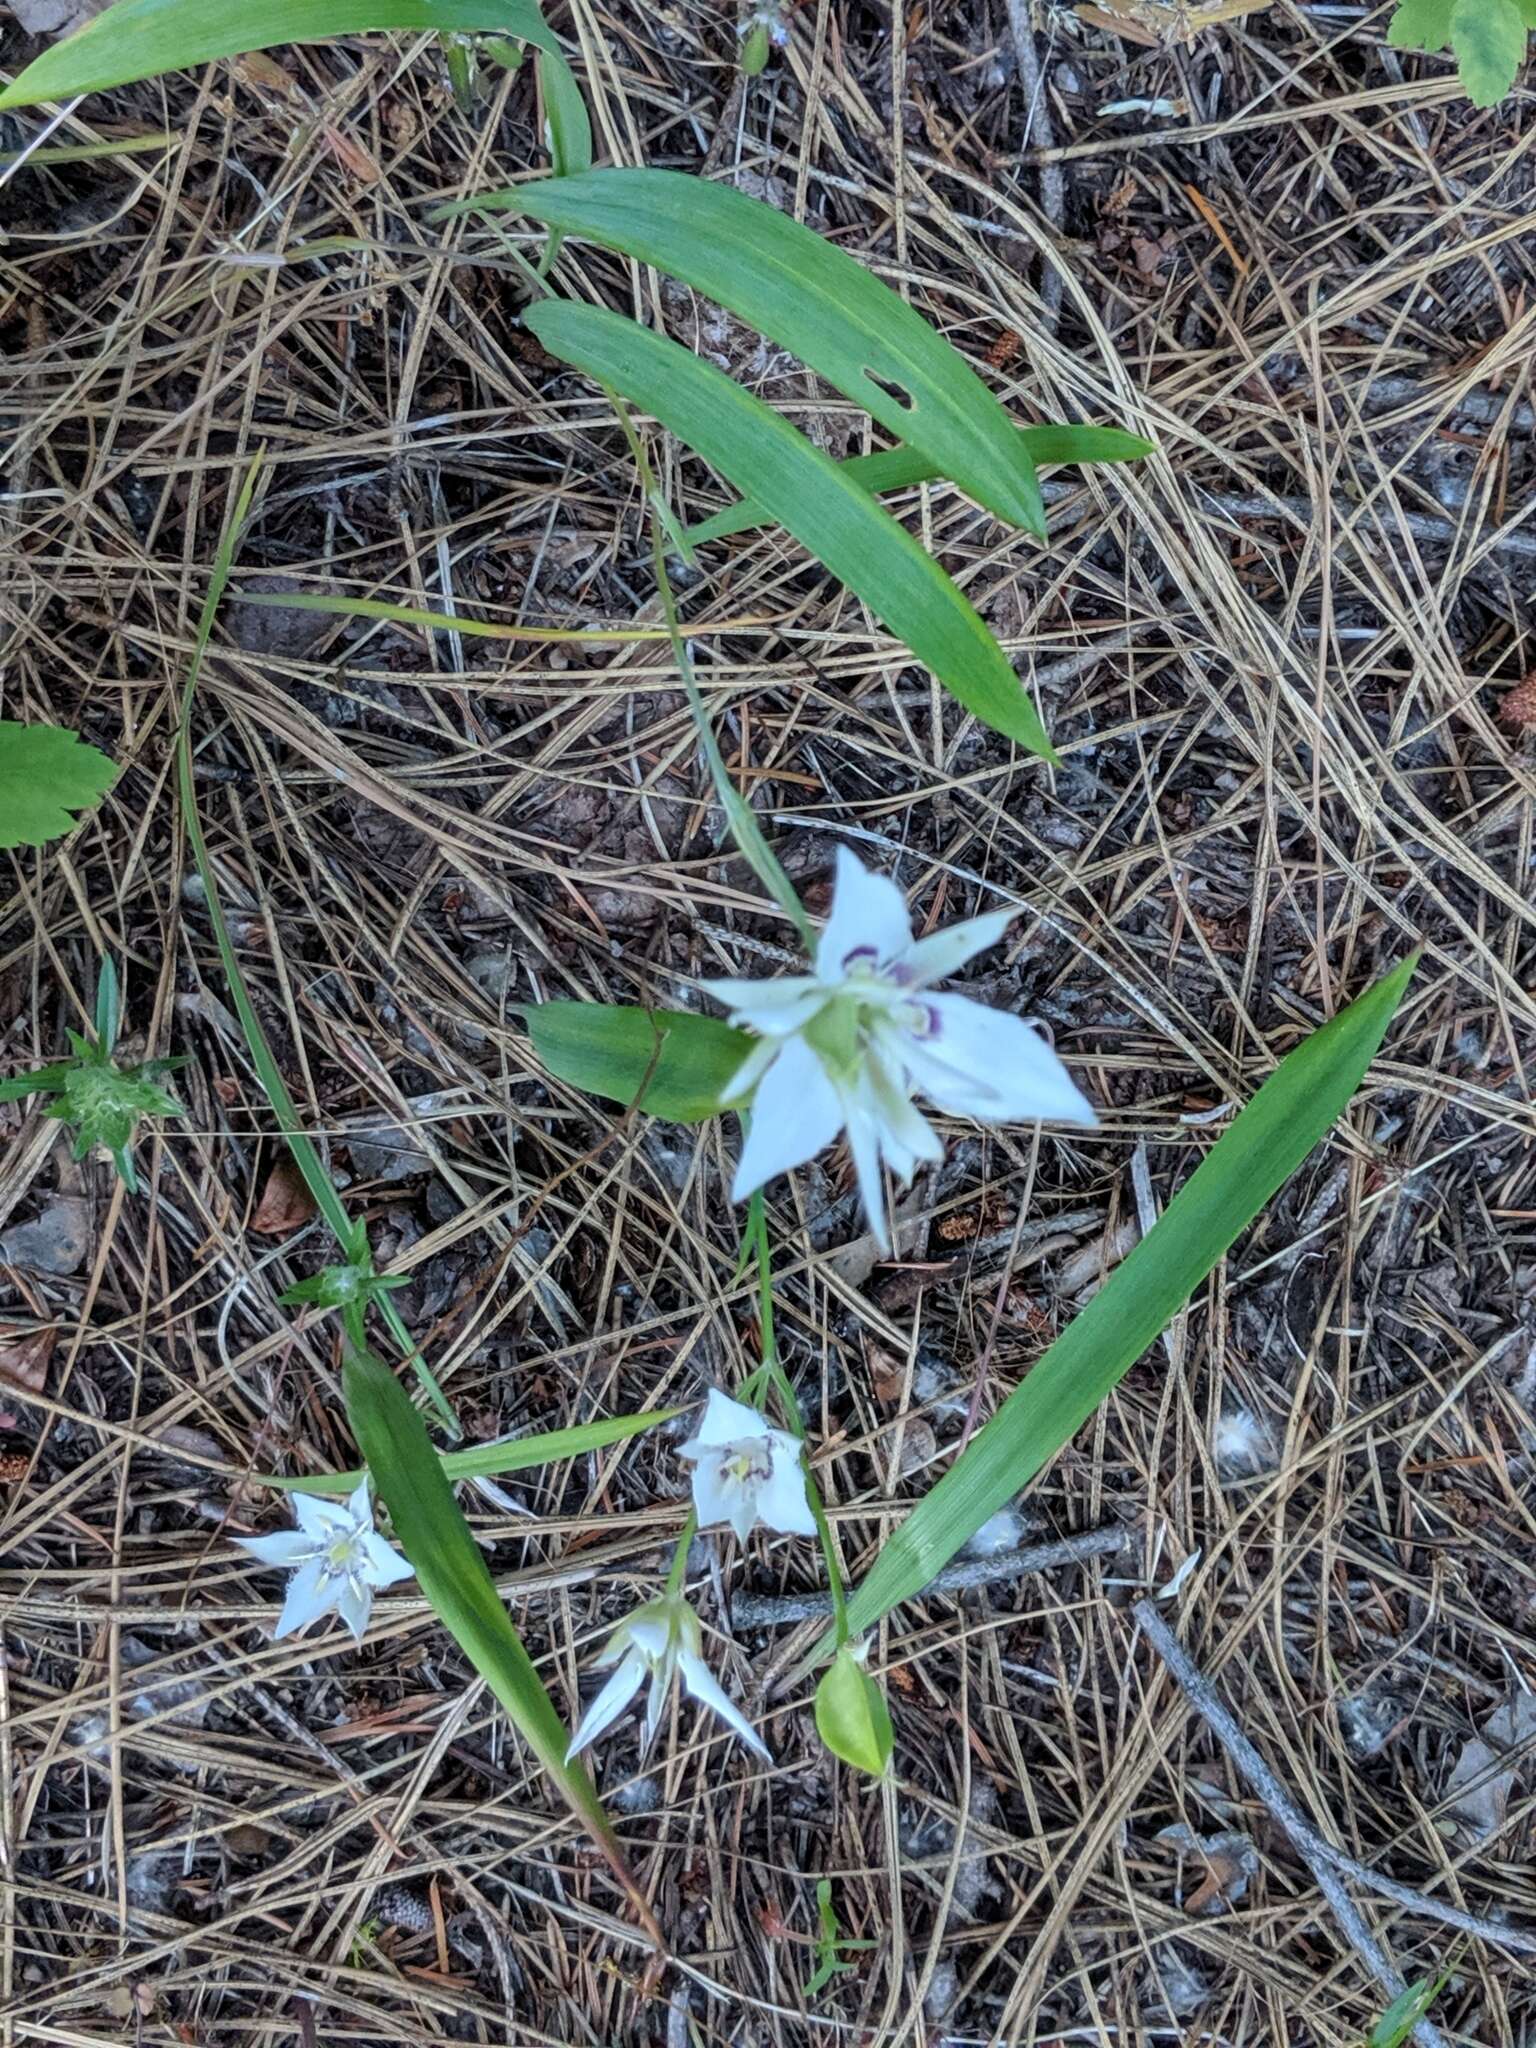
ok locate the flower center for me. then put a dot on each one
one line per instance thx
(748, 1465)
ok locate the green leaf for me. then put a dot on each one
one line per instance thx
(843, 526)
(682, 1061)
(1528, 12)
(141, 38)
(568, 130)
(1421, 25)
(813, 299)
(1406, 2010)
(517, 1454)
(896, 469)
(1488, 37)
(1259, 1151)
(41, 1081)
(46, 772)
(852, 1718)
(409, 1477)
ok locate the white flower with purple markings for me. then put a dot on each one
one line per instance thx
(661, 1641)
(745, 1473)
(846, 1048)
(338, 1560)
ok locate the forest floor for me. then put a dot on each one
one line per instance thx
(1281, 658)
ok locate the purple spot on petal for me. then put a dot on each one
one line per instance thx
(861, 956)
(900, 974)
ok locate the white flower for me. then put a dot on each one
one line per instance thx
(746, 1473)
(659, 1641)
(337, 1557)
(847, 1047)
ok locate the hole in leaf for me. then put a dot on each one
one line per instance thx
(897, 393)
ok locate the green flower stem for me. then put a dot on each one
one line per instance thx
(679, 1567)
(740, 816)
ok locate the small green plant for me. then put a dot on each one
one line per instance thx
(1487, 37)
(102, 1102)
(349, 1286)
(1397, 2023)
(47, 773)
(832, 1945)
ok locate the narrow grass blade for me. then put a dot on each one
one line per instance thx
(450, 622)
(1262, 1147)
(275, 1088)
(897, 469)
(141, 38)
(811, 297)
(843, 526)
(493, 1461)
(669, 1062)
(411, 1481)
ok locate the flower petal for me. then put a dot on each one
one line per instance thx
(383, 1564)
(795, 1114)
(776, 1005)
(750, 1072)
(287, 1549)
(608, 1705)
(360, 1504)
(906, 1136)
(782, 1501)
(727, 1421)
(714, 1496)
(864, 1144)
(743, 1515)
(705, 1688)
(354, 1603)
(321, 1520)
(945, 952)
(311, 1593)
(869, 917)
(990, 1064)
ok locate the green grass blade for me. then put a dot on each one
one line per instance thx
(493, 1461)
(765, 457)
(411, 1481)
(681, 1061)
(141, 38)
(305, 1156)
(813, 299)
(1262, 1147)
(897, 469)
(442, 622)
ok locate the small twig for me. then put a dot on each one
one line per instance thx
(1038, 129)
(1326, 1863)
(773, 1610)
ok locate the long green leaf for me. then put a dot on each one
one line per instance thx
(812, 298)
(141, 38)
(492, 1461)
(896, 469)
(1262, 1147)
(768, 459)
(434, 1535)
(683, 1062)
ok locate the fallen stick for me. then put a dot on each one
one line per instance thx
(775, 1610)
(1326, 1863)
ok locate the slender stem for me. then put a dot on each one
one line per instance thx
(740, 816)
(679, 1567)
(774, 1374)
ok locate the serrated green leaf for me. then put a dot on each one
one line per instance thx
(41, 1081)
(1421, 25)
(409, 1477)
(768, 459)
(813, 299)
(852, 1717)
(683, 1062)
(1488, 37)
(1258, 1152)
(896, 469)
(46, 773)
(141, 38)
